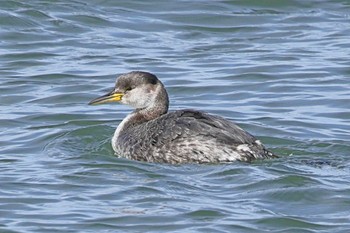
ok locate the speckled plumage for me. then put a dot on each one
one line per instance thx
(186, 136)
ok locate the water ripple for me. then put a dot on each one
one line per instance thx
(277, 68)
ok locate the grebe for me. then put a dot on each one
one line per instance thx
(151, 133)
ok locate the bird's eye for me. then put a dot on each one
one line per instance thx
(128, 89)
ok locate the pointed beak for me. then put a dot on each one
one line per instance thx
(113, 96)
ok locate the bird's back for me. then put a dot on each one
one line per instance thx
(187, 136)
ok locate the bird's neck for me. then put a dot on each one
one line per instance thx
(158, 107)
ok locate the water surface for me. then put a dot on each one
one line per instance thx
(280, 69)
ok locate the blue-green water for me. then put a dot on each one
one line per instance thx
(280, 69)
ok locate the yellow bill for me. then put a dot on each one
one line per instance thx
(110, 97)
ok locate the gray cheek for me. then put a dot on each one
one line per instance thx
(137, 99)
(128, 99)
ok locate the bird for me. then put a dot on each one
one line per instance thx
(152, 134)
